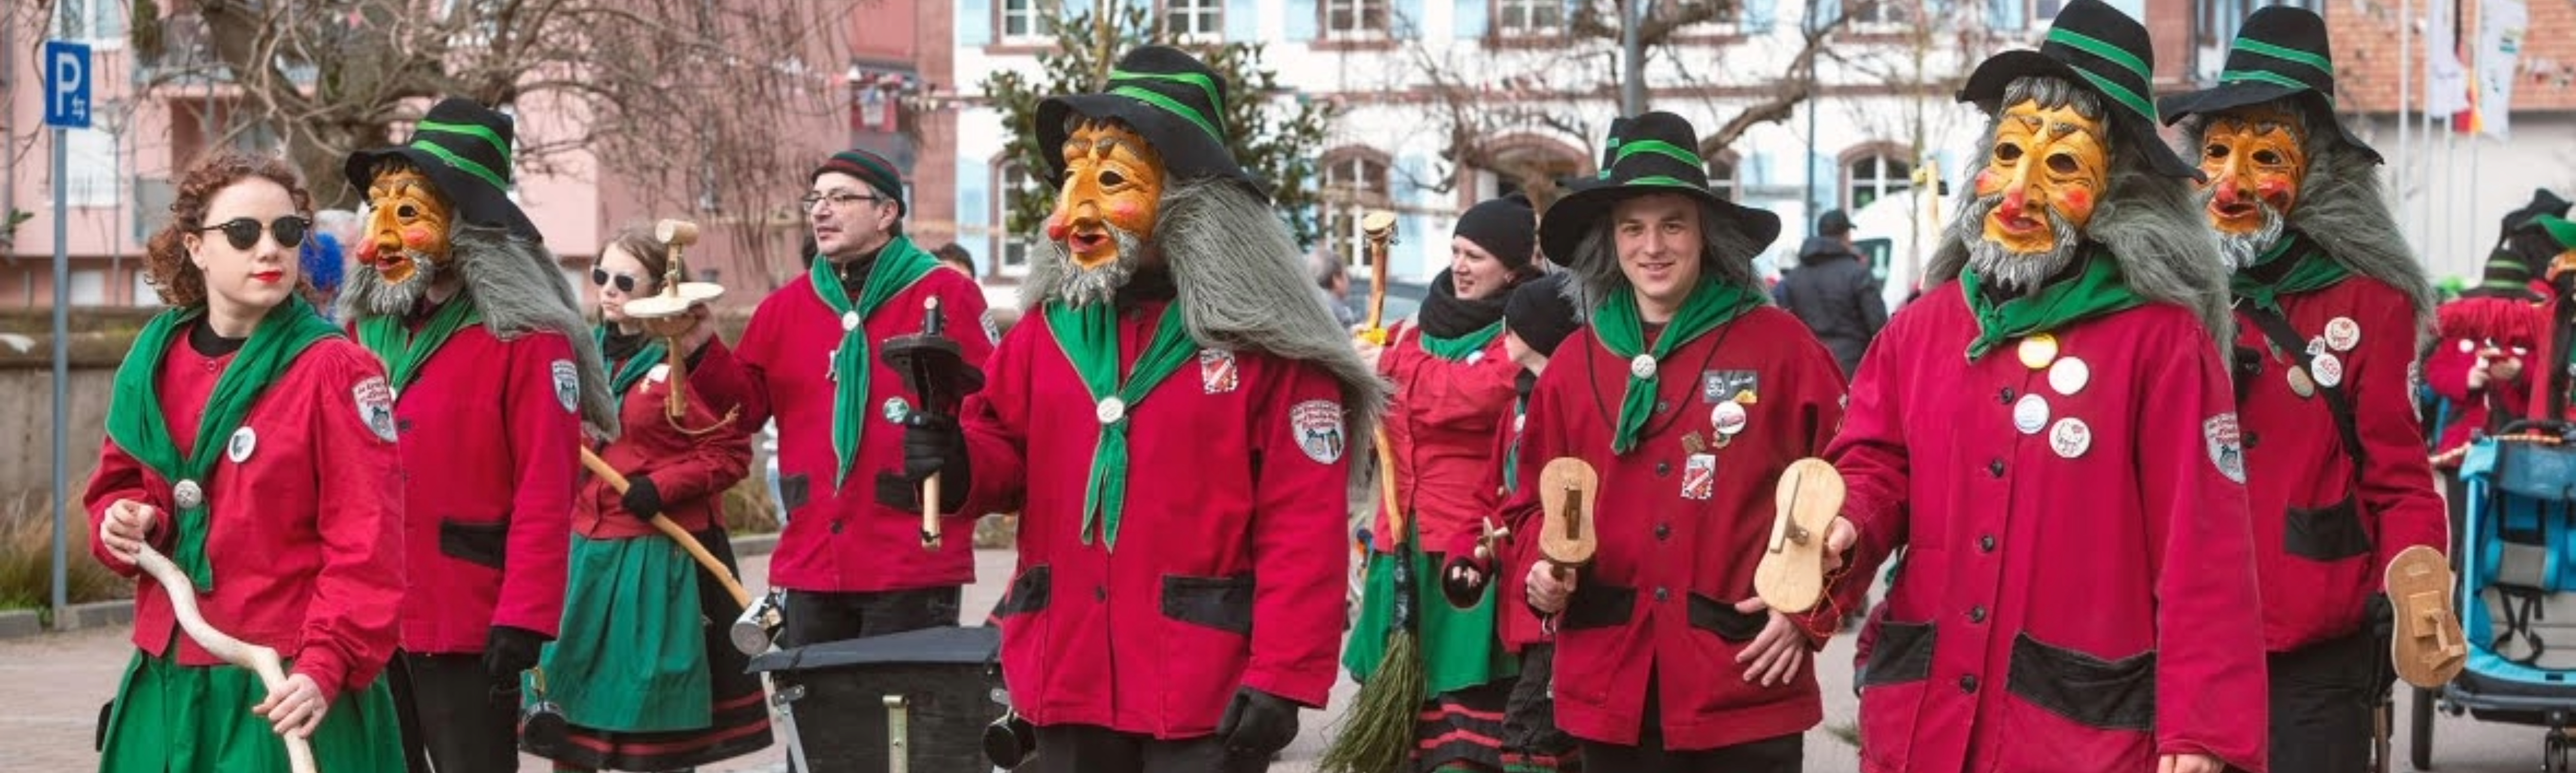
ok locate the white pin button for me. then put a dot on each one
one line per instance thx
(1727, 418)
(239, 449)
(849, 321)
(2030, 414)
(187, 494)
(1643, 366)
(2069, 375)
(1111, 410)
(2343, 334)
(2329, 371)
(2070, 438)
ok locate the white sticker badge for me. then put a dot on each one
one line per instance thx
(2226, 445)
(567, 383)
(375, 404)
(1317, 426)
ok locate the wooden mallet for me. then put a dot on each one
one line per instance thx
(937, 372)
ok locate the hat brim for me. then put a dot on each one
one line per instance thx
(1187, 152)
(476, 202)
(1985, 88)
(2229, 96)
(1565, 223)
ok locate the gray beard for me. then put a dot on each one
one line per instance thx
(1100, 285)
(381, 299)
(2019, 272)
(2240, 250)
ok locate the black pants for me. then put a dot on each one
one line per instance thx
(2321, 703)
(1095, 749)
(455, 718)
(1529, 718)
(814, 617)
(1777, 754)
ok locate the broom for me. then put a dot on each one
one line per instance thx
(1376, 736)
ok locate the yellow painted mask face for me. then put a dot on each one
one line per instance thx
(407, 222)
(1112, 178)
(2046, 160)
(2252, 156)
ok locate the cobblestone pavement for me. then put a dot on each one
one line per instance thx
(51, 688)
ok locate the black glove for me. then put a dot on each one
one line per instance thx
(2379, 620)
(1257, 723)
(642, 499)
(508, 651)
(931, 444)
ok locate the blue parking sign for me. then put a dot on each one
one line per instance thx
(67, 71)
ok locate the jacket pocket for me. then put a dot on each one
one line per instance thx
(2330, 533)
(793, 490)
(480, 544)
(1222, 603)
(1720, 618)
(1903, 654)
(2108, 695)
(1028, 593)
(1595, 605)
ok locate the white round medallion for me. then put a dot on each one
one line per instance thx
(2343, 334)
(849, 321)
(2329, 371)
(2030, 414)
(1727, 418)
(1111, 409)
(187, 495)
(2069, 375)
(1642, 366)
(239, 449)
(2070, 437)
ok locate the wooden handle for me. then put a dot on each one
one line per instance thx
(930, 513)
(677, 233)
(663, 523)
(1379, 227)
(1386, 488)
(260, 660)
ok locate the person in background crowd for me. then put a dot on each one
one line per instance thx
(954, 255)
(1832, 291)
(1536, 319)
(1332, 284)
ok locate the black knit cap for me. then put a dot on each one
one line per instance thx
(464, 149)
(1506, 227)
(870, 168)
(1538, 313)
(2280, 53)
(2097, 48)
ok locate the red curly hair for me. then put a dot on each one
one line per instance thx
(165, 257)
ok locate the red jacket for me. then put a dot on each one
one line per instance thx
(2446, 370)
(2324, 542)
(490, 445)
(689, 471)
(2054, 614)
(1440, 425)
(843, 540)
(1658, 600)
(320, 585)
(1229, 555)
(1519, 626)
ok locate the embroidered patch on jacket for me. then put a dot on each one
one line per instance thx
(992, 330)
(1736, 386)
(567, 383)
(375, 404)
(1699, 476)
(1317, 425)
(1217, 374)
(2226, 447)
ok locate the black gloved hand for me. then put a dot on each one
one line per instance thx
(1257, 723)
(642, 499)
(931, 444)
(2379, 620)
(508, 650)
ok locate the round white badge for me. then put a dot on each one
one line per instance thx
(2037, 351)
(1727, 418)
(2329, 371)
(2070, 438)
(2343, 334)
(849, 321)
(187, 495)
(2030, 414)
(896, 410)
(2069, 375)
(243, 442)
(1643, 366)
(1111, 409)
(2316, 346)
(2467, 346)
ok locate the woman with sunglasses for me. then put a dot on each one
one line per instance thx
(238, 413)
(644, 671)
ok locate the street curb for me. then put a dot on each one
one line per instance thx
(28, 623)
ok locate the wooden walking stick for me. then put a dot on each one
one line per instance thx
(1377, 734)
(663, 523)
(260, 660)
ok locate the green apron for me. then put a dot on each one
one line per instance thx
(171, 718)
(633, 657)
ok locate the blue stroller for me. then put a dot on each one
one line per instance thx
(2516, 557)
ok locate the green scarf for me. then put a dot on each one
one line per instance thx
(2310, 270)
(1622, 329)
(404, 351)
(635, 367)
(2099, 289)
(1457, 349)
(135, 422)
(1512, 450)
(897, 267)
(1089, 337)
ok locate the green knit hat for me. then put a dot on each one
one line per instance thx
(870, 168)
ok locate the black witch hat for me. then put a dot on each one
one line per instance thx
(2281, 53)
(1168, 96)
(464, 148)
(2096, 47)
(1655, 153)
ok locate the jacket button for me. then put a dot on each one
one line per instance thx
(1663, 469)
(1968, 684)
(1977, 614)
(836, 526)
(2005, 397)
(1995, 468)
(1663, 531)
(1663, 594)
(2252, 439)
(1663, 406)
(1099, 593)
(1986, 544)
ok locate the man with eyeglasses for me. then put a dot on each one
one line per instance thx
(494, 379)
(853, 567)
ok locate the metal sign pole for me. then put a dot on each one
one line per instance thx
(62, 369)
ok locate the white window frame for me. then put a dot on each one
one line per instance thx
(1889, 176)
(1519, 18)
(1879, 15)
(1011, 250)
(1195, 21)
(1722, 179)
(1031, 12)
(1359, 13)
(100, 23)
(1350, 191)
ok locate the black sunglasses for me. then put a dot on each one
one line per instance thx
(602, 277)
(243, 232)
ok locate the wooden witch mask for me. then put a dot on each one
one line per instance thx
(2047, 161)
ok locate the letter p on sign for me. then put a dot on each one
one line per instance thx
(66, 84)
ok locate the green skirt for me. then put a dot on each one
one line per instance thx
(171, 718)
(633, 654)
(1463, 646)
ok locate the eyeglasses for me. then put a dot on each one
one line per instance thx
(839, 200)
(243, 232)
(601, 277)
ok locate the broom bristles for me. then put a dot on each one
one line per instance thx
(1377, 735)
